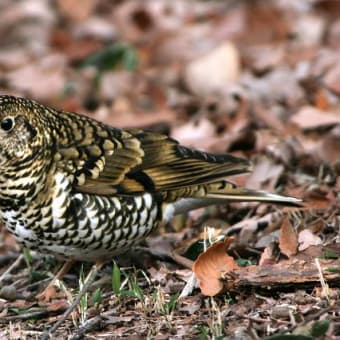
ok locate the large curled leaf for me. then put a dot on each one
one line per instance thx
(212, 265)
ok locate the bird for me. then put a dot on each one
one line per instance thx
(81, 190)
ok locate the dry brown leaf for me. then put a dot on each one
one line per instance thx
(265, 57)
(309, 117)
(211, 266)
(131, 119)
(318, 198)
(48, 293)
(328, 149)
(195, 133)
(332, 79)
(268, 118)
(135, 20)
(75, 49)
(321, 100)
(248, 231)
(288, 241)
(22, 304)
(268, 256)
(265, 175)
(43, 80)
(211, 73)
(59, 305)
(307, 238)
(72, 9)
(265, 138)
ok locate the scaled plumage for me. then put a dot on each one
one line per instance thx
(82, 190)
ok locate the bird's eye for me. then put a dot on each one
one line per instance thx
(7, 124)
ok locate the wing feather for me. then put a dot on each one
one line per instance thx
(107, 161)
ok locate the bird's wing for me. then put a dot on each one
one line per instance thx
(105, 160)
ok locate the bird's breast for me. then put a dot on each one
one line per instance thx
(98, 227)
(82, 226)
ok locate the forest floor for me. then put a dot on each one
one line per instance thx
(257, 79)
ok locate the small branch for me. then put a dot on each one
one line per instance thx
(86, 327)
(92, 323)
(15, 264)
(26, 316)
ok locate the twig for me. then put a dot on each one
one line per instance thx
(26, 316)
(91, 323)
(8, 258)
(88, 281)
(86, 327)
(11, 267)
(183, 261)
(33, 285)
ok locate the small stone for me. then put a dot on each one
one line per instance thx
(8, 292)
(282, 311)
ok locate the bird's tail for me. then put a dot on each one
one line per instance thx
(223, 192)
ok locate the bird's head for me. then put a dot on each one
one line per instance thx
(23, 132)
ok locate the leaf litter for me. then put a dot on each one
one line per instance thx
(212, 75)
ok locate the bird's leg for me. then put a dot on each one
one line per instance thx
(49, 291)
(87, 283)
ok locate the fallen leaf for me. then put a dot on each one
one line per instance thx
(134, 20)
(130, 119)
(59, 305)
(183, 46)
(309, 29)
(309, 117)
(22, 304)
(268, 118)
(209, 74)
(33, 77)
(269, 255)
(264, 58)
(248, 231)
(72, 9)
(306, 239)
(75, 49)
(265, 175)
(116, 84)
(48, 293)
(192, 132)
(332, 79)
(95, 27)
(328, 149)
(211, 266)
(317, 203)
(288, 241)
(270, 87)
(321, 100)
(190, 305)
